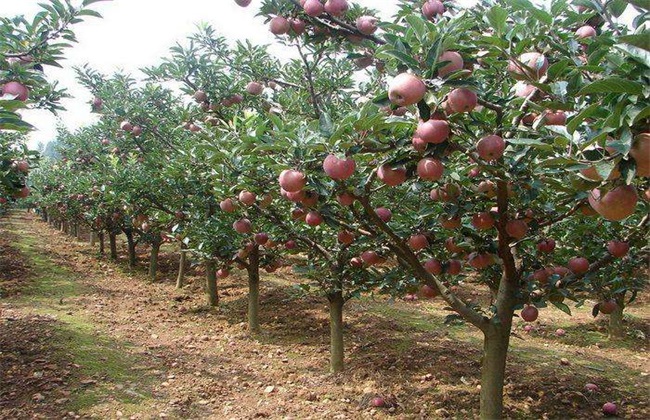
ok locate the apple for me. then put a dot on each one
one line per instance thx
(433, 266)
(430, 169)
(200, 96)
(585, 32)
(541, 275)
(370, 257)
(451, 246)
(243, 3)
(17, 90)
(367, 25)
(529, 313)
(491, 147)
(136, 131)
(450, 222)
(554, 117)
(126, 126)
(254, 88)
(339, 169)
(391, 177)
(480, 261)
(531, 65)
(591, 387)
(313, 8)
(261, 238)
(345, 237)
(607, 307)
(640, 151)
(618, 249)
(22, 193)
(298, 26)
(428, 291)
(97, 103)
(222, 273)
(345, 199)
(516, 228)
(21, 166)
(291, 244)
(418, 242)
(378, 402)
(363, 62)
(578, 265)
(296, 197)
(433, 8)
(462, 100)
(314, 218)
(483, 221)
(279, 25)
(384, 214)
(547, 246)
(560, 332)
(524, 90)
(227, 205)
(242, 226)
(433, 131)
(455, 63)
(488, 188)
(610, 409)
(292, 180)
(616, 204)
(406, 89)
(106, 142)
(336, 7)
(356, 262)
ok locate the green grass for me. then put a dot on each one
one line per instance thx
(100, 358)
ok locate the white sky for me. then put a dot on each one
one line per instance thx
(135, 34)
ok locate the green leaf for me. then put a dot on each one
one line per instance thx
(326, 125)
(636, 53)
(562, 306)
(581, 116)
(612, 85)
(88, 12)
(617, 7)
(497, 17)
(538, 13)
(638, 40)
(643, 4)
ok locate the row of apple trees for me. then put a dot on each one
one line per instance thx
(502, 147)
(26, 46)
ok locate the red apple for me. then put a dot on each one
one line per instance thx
(453, 268)
(462, 100)
(384, 214)
(126, 126)
(243, 3)
(616, 204)
(406, 89)
(418, 242)
(491, 147)
(17, 90)
(607, 307)
(336, 7)
(455, 63)
(254, 88)
(547, 246)
(529, 313)
(367, 25)
(618, 249)
(433, 131)
(640, 151)
(578, 265)
(279, 25)
(345, 199)
(610, 409)
(433, 8)
(483, 221)
(314, 218)
(339, 169)
(242, 226)
(433, 266)
(430, 169)
(516, 228)
(345, 237)
(428, 292)
(292, 180)
(554, 117)
(585, 32)
(391, 177)
(222, 273)
(313, 8)
(227, 205)
(261, 238)
(291, 244)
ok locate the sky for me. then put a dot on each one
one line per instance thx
(137, 33)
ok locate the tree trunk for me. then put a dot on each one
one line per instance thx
(336, 331)
(495, 352)
(616, 330)
(113, 245)
(63, 227)
(254, 290)
(77, 231)
(92, 238)
(153, 260)
(180, 280)
(100, 235)
(211, 283)
(133, 258)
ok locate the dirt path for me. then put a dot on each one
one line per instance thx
(82, 337)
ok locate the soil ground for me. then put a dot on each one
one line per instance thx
(82, 337)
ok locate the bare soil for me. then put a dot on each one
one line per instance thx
(81, 337)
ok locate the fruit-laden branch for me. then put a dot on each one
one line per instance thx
(414, 263)
(509, 265)
(274, 217)
(566, 215)
(50, 37)
(342, 26)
